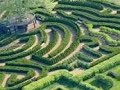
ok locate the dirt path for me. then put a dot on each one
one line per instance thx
(5, 80)
(10, 45)
(37, 73)
(2, 64)
(56, 46)
(113, 12)
(18, 47)
(77, 71)
(96, 48)
(1, 15)
(20, 76)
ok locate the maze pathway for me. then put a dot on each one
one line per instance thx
(73, 48)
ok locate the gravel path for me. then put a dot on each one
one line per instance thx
(2, 64)
(77, 71)
(5, 80)
(10, 45)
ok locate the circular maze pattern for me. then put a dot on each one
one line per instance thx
(76, 37)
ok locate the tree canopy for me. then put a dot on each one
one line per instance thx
(19, 8)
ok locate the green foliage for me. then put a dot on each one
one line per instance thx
(115, 72)
(2, 75)
(103, 81)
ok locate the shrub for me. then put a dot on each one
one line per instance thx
(105, 81)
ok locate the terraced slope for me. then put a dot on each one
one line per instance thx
(75, 47)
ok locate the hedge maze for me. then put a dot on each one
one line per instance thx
(75, 47)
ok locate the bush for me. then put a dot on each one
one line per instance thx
(84, 57)
(91, 51)
(50, 46)
(104, 81)
(82, 3)
(115, 73)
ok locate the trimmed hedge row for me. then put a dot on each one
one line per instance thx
(8, 40)
(107, 4)
(14, 69)
(89, 41)
(68, 50)
(24, 63)
(49, 46)
(57, 58)
(13, 37)
(25, 53)
(82, 3)
(86, 86)
(64, 15)
(3, 36)
(83, 64)
(87, 10)
(104, 80)
(2, 76)
(26, 46)
(72, 47)
(20, 55)
(65, 39)
(100, 68)
(42, 12)
(88, 19)
(44, 82)
(115, 72)
(63, 75)
(108, 49)
(110, 31)
(107, 38)
(98, 20)
(30, 73)
(84, 57)
(65, 64)
(91, 51)
(11, 80)
(67, 22)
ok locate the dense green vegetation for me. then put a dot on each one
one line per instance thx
(71, 45)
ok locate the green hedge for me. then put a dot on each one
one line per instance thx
(82, 3)
(44, 82)
(104, 81)
(65, 39)
(87, 10)
(89, 40)
(50, 45)
(26, 46)
(91, 51)
(101, 67)
(106, 37)
(84, 57)
(2, 76)
(64, 15)
(12, 79)
(97, 21)
(115, 72)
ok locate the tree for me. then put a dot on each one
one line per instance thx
(17, 9)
